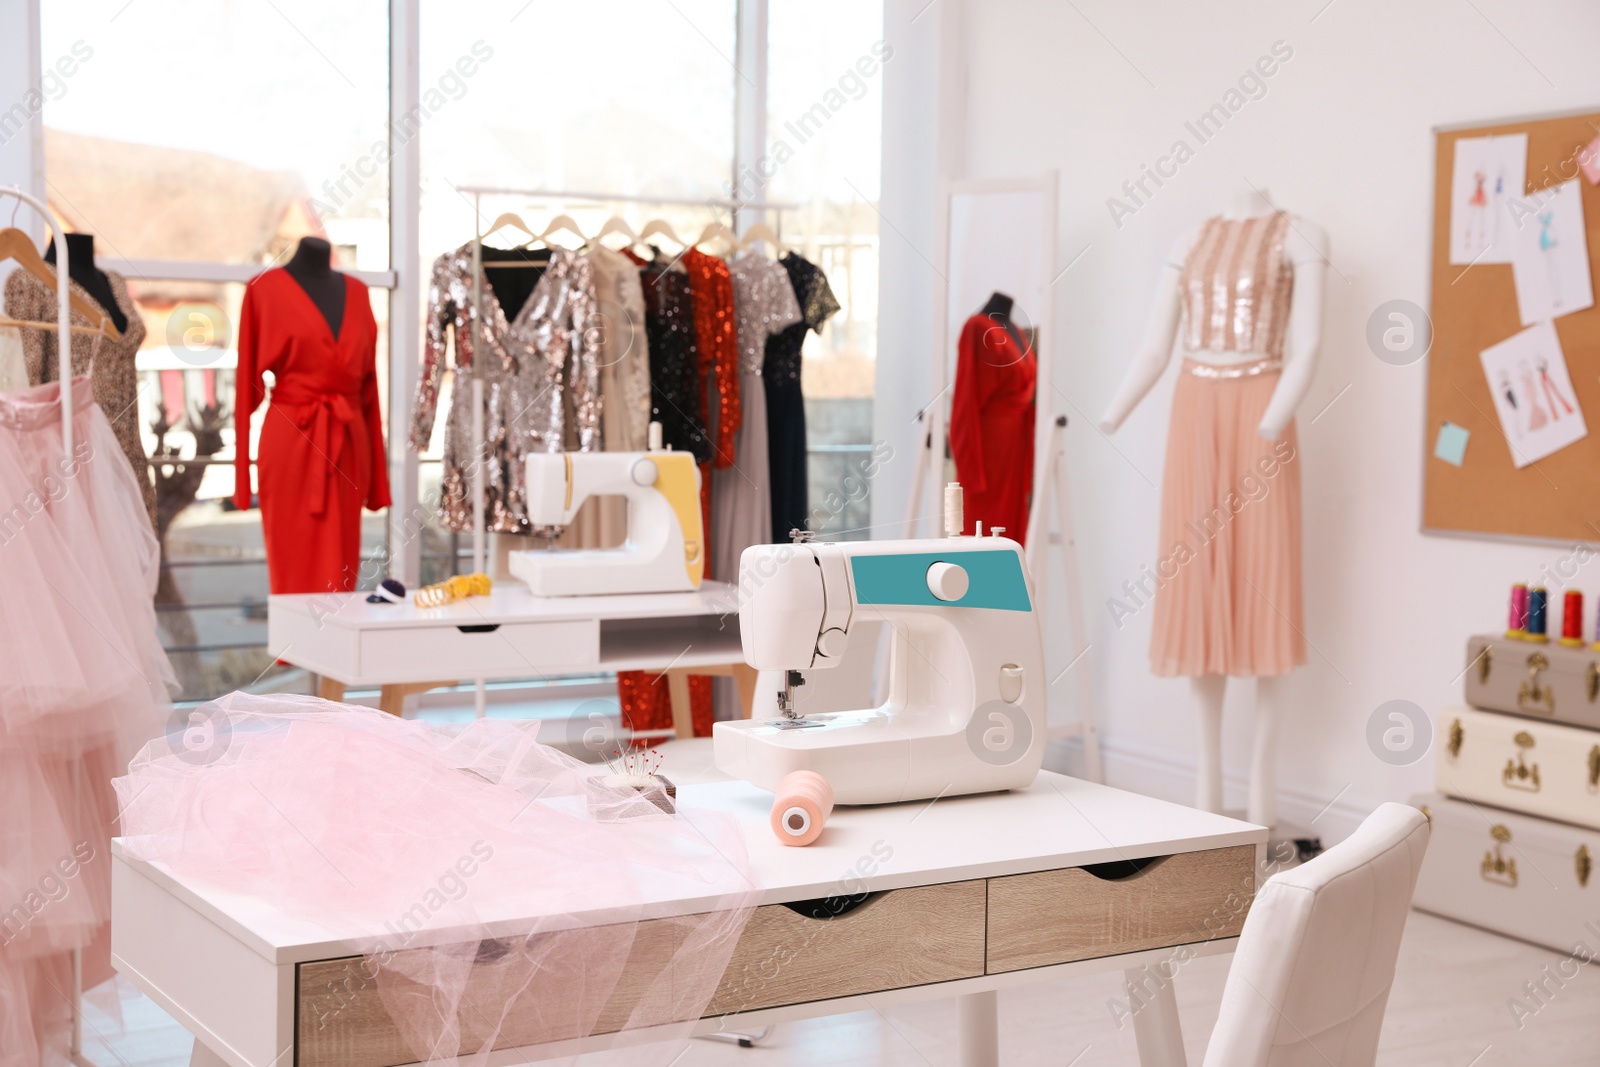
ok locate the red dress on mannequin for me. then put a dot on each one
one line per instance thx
(321, 447)
(991, 427)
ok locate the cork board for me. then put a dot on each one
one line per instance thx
(1472, 308)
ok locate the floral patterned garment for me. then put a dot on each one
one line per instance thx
(536, 365)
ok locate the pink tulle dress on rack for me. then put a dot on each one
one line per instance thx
(499, 891)
(83, 682)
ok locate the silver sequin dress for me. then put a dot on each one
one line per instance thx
(536, 367)
(741, 507)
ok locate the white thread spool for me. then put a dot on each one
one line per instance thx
(655, 437)
(953, 518)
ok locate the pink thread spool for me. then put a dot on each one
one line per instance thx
(1517, 624)
(803, 803)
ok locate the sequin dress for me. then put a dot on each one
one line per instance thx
(1228, 598)
(786, 407)
(110, 364)
(741, 501)
(674, 357)
(536, 366)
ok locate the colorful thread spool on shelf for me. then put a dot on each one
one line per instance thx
(1572, 619)
(1538, 614)
(803, 803)
(1517, 624)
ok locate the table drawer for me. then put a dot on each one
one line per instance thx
(903, 937)
(1079, 913)
(467, 650)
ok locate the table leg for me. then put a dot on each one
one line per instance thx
(1155, 1023)
(744, 676)
(682, 709)
(202, 1056)
(392, 698)
(329, 689)
(978, 1029)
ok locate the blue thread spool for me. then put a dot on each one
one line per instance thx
(1538, 613)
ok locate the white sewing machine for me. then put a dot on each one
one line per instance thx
(665, 547)
(966, 705)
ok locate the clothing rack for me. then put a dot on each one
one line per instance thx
(64, 362)
(478, 192)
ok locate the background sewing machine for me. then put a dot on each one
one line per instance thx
(965, 711)
(664, 551)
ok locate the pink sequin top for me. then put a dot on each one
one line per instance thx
(1237, 285)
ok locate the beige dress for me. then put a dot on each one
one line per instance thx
(1228, 585)
(109, 363)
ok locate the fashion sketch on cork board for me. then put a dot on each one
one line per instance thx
(1533, 395)
(1550, 253)
(1488, 172)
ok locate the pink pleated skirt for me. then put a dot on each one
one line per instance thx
(1228, 593)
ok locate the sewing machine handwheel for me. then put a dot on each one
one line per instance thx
(803, 802)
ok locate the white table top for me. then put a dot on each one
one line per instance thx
(1057, 822)
(507, 602)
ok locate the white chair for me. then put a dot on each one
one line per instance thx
(1310, 979)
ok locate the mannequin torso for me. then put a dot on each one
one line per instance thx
(82, 269)
(312, 267)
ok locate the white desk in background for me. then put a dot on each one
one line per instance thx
(972, 895)
(510, 634)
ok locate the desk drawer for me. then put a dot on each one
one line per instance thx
(1079, 913)
(904, 937)
(427, 653)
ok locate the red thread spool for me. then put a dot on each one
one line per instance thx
(1572, 619)
(803, 803)
(1517, 624)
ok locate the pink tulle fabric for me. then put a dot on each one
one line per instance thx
(83, 681)
(501, 894)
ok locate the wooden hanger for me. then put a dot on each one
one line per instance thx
(663, 228)
(509, 219)
(616, 224)
(762, 232)
(17, 245)
(715, 230)
(563, 223)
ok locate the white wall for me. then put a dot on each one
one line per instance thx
(1342, 136)
(21, 125)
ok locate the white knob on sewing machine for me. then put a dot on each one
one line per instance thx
(832, 643)
(947, 581)
(644, 472)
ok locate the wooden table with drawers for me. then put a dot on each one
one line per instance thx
(510, 634)
(968, 895)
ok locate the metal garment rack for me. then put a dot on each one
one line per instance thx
(477, 193)
(64, 373)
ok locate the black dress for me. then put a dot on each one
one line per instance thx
(786, 408)
(674, 359)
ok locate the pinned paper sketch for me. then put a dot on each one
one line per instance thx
(1589, 160)
(1489, 171)
(1550, 253)
(1539, 412)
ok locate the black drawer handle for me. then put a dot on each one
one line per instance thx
(830, 907)
(1117, 870)
(479, 628)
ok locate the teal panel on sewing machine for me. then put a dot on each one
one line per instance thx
(995, 579)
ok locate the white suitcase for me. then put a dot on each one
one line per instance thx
(1541, 768)
(1513, 874)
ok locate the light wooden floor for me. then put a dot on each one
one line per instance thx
(1448, 1009)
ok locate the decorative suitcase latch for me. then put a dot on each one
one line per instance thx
(1591, 678)
(1518, 773)
(1457, 735)
(1533, 695)
(1496, 868)
(1485, 660)
(1583, 864)
(1594, 769)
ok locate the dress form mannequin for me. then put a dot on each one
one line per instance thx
(1305, 246)
(312, 267)
(80, 253)
(998, 307)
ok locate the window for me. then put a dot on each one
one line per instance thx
(824, 125)
(198, 142)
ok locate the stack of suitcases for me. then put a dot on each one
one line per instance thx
(1516, 819)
